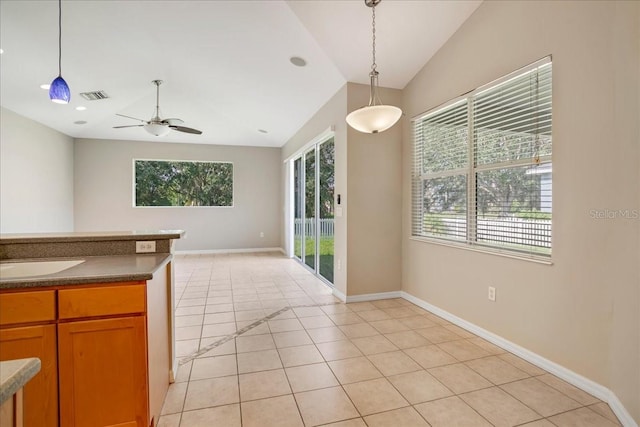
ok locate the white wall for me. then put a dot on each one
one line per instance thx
(582, 312)
(36, 177)
(104, 194)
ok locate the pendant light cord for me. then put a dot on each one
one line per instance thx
(59, 37)
(373, 26)
(374, 98)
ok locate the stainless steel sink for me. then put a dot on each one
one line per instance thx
(16, 270)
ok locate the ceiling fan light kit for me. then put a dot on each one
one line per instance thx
(157, 126)
(59, 91)
(375, 117)
(157, 129)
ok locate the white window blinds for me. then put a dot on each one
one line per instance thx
(482, 166)
(442, 145)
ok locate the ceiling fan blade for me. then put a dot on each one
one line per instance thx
(186, 129)
(173, 121)
(129, 117)
(130, 126)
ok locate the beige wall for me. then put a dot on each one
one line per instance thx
(331, 114)
(374, 236)
(104, 191)
(624, 361)
(36, 177)
(368, 178)
(582, 311)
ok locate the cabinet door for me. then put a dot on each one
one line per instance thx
(41, 393)
(103, 373)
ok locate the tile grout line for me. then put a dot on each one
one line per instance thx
(235, 345)
(243, 330)
(284, 371)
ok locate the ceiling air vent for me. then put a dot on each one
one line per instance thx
(94, 96)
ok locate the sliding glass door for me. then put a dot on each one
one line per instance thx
(298, 197)
(313, 222)
(326, 186)
(310, 208)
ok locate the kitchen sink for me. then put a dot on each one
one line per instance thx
(15, 270)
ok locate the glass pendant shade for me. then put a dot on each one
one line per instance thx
(157, 129)
(59, 91)
(374, 118)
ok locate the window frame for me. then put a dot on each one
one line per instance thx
(133, 183)
(470, 171)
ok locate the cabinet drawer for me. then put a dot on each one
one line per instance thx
(26, 307)
(101, 301)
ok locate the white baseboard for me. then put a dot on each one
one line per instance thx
(597, 390)
(339, 294)
(621, 412)
(227, 251)
(373, 297)
(365, 297)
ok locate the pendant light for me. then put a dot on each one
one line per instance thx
(59, 90)
(375, 117)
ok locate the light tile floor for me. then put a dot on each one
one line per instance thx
(262, 342)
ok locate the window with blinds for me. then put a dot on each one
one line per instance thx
(482, 166)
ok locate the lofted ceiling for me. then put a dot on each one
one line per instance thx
(225, 64)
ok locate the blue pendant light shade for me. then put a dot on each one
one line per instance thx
(59, 90)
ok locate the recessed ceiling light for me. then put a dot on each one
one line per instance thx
(1, 51)
(81, 108)
(297, 61)
(80, 122)
(45, 86)
(262, 131)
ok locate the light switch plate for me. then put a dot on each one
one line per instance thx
(492, 293)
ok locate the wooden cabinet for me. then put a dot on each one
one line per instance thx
(41, 393)
(105, 351)
(103, 363)
(103, 373)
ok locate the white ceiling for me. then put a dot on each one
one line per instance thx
(225, 64)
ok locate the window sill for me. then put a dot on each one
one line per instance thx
(489, 251)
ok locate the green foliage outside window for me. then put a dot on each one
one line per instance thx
(183, 183)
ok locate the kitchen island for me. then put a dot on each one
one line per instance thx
(99, 316)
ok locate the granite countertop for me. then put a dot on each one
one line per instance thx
(90, 236)
(14, 374)
(95, 269)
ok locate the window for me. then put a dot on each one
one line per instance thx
(482, 166)
(183, 183)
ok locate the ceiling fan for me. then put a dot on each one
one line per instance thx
(157, 126)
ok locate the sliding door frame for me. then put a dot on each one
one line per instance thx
(314, 146)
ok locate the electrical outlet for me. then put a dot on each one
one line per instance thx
(145, 246)
(492, 293)
(262, 234)
(338, 264)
